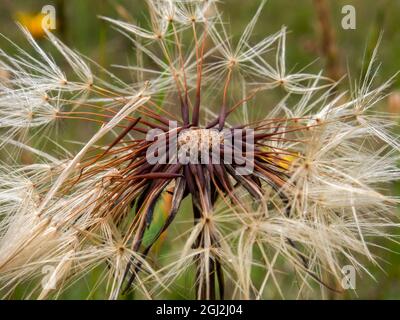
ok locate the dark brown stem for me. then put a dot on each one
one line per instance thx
(328, 40)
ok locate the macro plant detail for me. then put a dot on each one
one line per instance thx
(314, 198)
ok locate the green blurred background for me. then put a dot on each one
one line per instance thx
(315, 32)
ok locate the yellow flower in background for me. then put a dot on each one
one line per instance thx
(285, 161)
(166, 203)
(33, 22)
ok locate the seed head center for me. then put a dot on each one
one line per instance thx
(200, 139)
